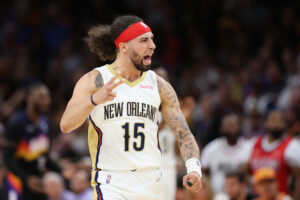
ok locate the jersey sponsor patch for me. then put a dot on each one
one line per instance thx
(150, 87)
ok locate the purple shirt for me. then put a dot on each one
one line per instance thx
(85, 195)
(66, 195)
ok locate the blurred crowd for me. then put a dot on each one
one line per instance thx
(235, 65)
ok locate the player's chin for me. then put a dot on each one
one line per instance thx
(143, 67)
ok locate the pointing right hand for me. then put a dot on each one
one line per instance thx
(105, 93)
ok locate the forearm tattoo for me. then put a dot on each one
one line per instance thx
(176, 121)
(99, 80)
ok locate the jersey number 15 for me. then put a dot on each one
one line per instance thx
(136, 134)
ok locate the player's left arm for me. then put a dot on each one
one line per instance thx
(189, 149)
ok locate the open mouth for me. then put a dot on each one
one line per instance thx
(147, 60)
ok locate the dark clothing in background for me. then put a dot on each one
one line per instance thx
(26, 153)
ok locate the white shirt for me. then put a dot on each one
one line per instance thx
(221, 158)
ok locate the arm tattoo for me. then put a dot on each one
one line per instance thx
(99, 80)
(176, 121)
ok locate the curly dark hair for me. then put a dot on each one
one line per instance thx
(101, 38)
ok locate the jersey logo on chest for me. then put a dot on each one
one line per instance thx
(146, 87)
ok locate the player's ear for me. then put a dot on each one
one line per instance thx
(123, 47)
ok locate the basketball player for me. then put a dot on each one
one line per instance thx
(123, 115)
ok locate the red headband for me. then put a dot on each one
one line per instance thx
(132, 32)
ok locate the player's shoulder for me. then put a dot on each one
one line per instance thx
(89, 78)
(164, 87)
(90, 75)
(102, 68)
(96, 71)
(160, 80)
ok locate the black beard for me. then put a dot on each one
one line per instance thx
(276, 133)
(142, 68)
(232, 140)
(138, 65)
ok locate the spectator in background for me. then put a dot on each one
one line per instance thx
(278, 151)
(225, 154)
(203, 115)
(236, 186)
(80, 185)
(266, 185)
(26, 152)
(55, 188)
(222, 106)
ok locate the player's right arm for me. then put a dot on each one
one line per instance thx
(188, 146)
(80, 105)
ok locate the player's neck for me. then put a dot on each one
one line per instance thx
(126, 68)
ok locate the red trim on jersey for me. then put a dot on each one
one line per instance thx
(99, 193)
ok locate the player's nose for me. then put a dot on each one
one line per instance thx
(152, 45)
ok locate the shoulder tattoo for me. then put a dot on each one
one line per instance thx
(99, 80)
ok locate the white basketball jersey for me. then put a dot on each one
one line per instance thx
(123, 132)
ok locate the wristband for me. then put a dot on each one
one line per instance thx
(92, 100)
(193, 165)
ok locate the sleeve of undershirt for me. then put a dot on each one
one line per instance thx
(292, 152)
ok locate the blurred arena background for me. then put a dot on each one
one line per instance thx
(222, 56)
